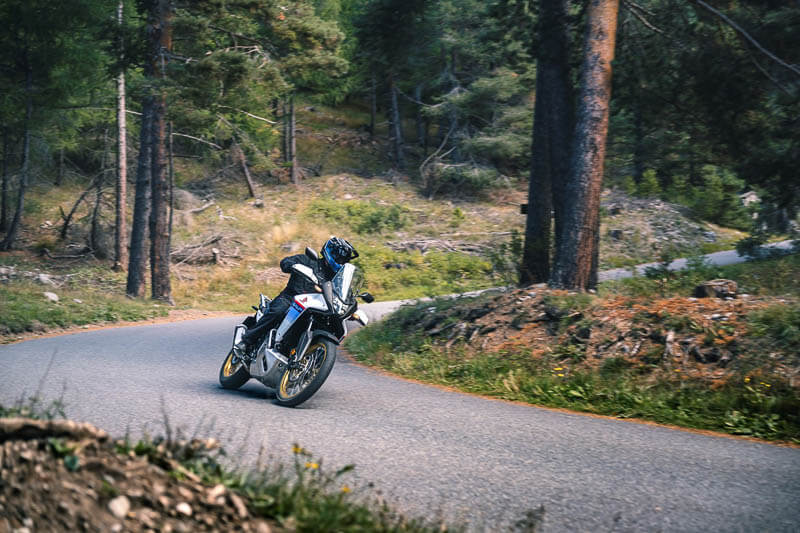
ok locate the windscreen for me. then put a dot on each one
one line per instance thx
(343, 282)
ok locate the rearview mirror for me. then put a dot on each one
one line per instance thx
(310, 252)
(367, 297)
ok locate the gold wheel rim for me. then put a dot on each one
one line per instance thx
(228, 370)
(310, 374)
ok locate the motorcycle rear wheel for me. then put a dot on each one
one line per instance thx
(300, 383)
(233, 372)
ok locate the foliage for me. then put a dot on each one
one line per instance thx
(506, 259)
(363, 217)
(781, 322)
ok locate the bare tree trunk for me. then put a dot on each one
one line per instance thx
(397, 129)
(238, 155)
(550, 149)
(638, 143)
(373, 105)
(293, 142)
(4, 192)
(11, 236)
(137, 260)
(94, 233)
(159, 222)
(171, 187)
(285, 133)
(121, 193)
(576, 257)
(68, 217)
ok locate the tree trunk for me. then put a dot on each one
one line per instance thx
(159, 184)
(419, 118)
(576, 257)
(11, 236)
(121, 193)
(94, 234)
(285, 131)
(550, 148)
(397, 127)
(137, 260)
(373, 105)
(4, 191)
(638, 143)
(171, 188)
(293, 142)
(238, 155)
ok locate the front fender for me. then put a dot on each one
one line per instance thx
(326, 334)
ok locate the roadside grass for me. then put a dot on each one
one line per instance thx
(745, 406)
(764, 277)
(25, 308)
(753, 401)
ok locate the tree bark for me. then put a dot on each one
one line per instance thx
(4, 191)
(137, 259)
(576, 257)
(94, 234)
(121, 193)
(11, 236)
(552, 124)
(419, 118)
(293, 142)
(285, 132)
(397, 127)
(159, 222)
(239, 156)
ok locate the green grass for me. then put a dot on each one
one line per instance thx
(764, 277)
(25, 308)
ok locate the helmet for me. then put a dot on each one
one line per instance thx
(337, 252)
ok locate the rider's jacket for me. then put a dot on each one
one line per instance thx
(299, 284)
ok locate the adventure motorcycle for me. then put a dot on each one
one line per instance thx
(296, 358)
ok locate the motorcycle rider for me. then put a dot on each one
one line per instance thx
(335, 253)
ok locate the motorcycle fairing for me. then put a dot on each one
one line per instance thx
(299, 305)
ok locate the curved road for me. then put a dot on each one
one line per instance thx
(431, 452)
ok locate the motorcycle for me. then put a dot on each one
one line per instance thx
(297, 357)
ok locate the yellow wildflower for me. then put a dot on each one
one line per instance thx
(312, 466)
(561, 375)
(345, 489)
(747, 379)
(558, 368)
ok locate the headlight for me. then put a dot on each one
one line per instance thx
(339, 307)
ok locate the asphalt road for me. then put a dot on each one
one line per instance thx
(432, 453)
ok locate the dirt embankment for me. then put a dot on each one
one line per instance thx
(704, 338)
(64, 476)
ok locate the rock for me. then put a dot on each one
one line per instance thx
(77, 301)
(615, 234)
(259, 203)
(119, 507)
(518, 321)
(237, 502)
(53, 297)
(184, 199)
(716, 288)
(614, 209)
(45, 279)
(263, 527)
(215, 495)
(184, 508)
(475, 314)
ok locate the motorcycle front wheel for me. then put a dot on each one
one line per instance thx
(300, 382)
(233, 373)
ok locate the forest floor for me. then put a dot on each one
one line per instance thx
(226, 246)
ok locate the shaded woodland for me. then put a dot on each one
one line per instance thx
(694, 101)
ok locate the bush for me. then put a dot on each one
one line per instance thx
(717, 199)
(462, 179)
(649, 186)
(363, 217)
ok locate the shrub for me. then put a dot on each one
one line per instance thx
(363, 217)
(649, 186)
